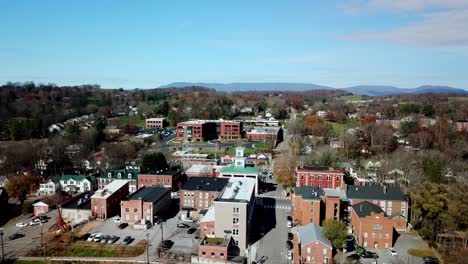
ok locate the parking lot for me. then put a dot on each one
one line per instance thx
(108, 227)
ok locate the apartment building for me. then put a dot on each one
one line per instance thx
(319, 176)
(196, 130)
(143, 205)
(200, 192)
(390, 199)
(105, 202)
(155, 122)
(310, 245)
(234, 211)
(372, 226)
(165, 178)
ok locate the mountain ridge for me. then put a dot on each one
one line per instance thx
(372, 90)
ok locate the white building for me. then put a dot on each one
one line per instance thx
(48, 188)
(239, 169)
(76, 183)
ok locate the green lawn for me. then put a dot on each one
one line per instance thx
(340, 128)
(260, 145)
(421, 252)
(123, 120)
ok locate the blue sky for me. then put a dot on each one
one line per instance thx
(145, 44)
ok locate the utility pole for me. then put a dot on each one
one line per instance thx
(3, 252)
(147, 248)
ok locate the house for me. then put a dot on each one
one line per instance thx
(48, 188)
(196, 130)
(372, 226)
(265, 134)
(165, 178)
(200, 192)
(390, 199)
(234, 211)
(155, 122)
(129, 175)
(77, 183)
(78, 208)
(144, 205)
(105, 202)
(40, 208)
(319, 176)
(240, 169)
(310, 245)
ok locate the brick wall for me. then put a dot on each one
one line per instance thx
(149, 180)
(192, 199)
(315, 252)
(374, 231)
(306, 211)
(322, 179)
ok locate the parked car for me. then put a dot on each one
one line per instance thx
(112, 239)
(353, 257)
(368, 254)
(290, 236)
(35, 222)
(97, 237)
(289, 221)
(15, 236)
(116, 219)
(123, 225)
(191, 230)
(290, 255)
(430, 260)
(127, 240)
(167, 244)
(393, 252)
(91, 237)
(104, 239)
(182, 225)
(21, 224)
(289, 245)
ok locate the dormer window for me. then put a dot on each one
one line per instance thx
(109, 174)
(119, 175)
(129, 175)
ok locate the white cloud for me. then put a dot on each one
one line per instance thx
(447, 28)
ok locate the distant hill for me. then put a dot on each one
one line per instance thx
(372, 90)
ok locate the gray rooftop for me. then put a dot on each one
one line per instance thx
(310, 233)
(309, 192)
(365, 208)
(374, 192)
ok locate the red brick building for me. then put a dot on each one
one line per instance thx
(196, 130)
(215, 249)
(372, 226)
(319, 176)
(165, 178)
(105, 202)
(144, 204)
(199, 192)
(310, 246)
(390, 199)
(265, 134)
(230, 130)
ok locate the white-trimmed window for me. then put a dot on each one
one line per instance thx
(387, 236)
(365, 234)
(325, 251)
(235, 232)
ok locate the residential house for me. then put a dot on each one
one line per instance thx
(77, 183)
(144, 205)
(48, 188)
(200, 192)
(105, 202)
(372, 226)
(310, 245)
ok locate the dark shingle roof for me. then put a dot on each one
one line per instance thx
(149, 194)
(365, 208)
(81, 201)
(161, 172)
(309, 192)
(374, 192)
(318, 168)
(209, 184)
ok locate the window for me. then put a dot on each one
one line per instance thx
(221, 254)
(389, 211)
(320, 177)
(206, 195)
(320, 185)
(136, 218)
(386, 245)
(200, 195)
(403, 204)
(379, 235)
(119, 175)
(308, 250)
(337, 178)
(325, 251)
(308, 258)
(326, 260)
(206, 203)
(212, 253)
(328, 185)
(373, 235)
(126, 210)
(200, 203)
(129, 175)
(235, 232)
(127, 217)
(389, 203)
(403, 212)
(387, 236)
(376, 227)
(312, 177)
(135, 210)
(328, 178)
(312, 209)
(235, 209)
(235, 220)
(365, 234)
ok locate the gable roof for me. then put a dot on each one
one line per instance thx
(124, 174)
(210, 184)
(310, 233)
(149, 194)
(365, 208)
(374, 192)
(74, 177)
(309, 192)
(40, 203)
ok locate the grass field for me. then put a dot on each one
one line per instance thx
(458, 98)
(123, 120)
(260, 145)
(421, 252)
(340, 128)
